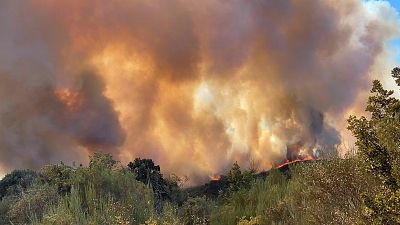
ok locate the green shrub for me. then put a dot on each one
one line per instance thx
(263, 198)
(11, 188)
(16, 182)
(99, 210)
(328, 191)
(170, 215)
(57, 175)
(238, 179)
(196, 211)
(101, 194)
(251, 221)
(32, 203)
(5, 205)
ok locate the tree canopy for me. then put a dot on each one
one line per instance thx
(378, 143)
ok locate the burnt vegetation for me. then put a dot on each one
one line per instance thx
(362, 188)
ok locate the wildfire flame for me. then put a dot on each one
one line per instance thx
(299, 158)
(71, 100)
(216, 178)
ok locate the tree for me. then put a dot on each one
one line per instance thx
(237, 179)
(149, 173)
(378, 142)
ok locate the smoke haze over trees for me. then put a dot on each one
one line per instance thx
(193, 85)
(360, 189)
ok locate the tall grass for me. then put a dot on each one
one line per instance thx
(101, 196)
(265, 201)
(91, 209)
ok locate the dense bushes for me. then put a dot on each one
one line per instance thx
(102, 193)
(320, 192)
(12, 187)
(196, 211)
(16, 182)
(32, 204)
(263, 200)
(329, 192)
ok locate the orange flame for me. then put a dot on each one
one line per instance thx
(216, 178)
(71, 100)
(298, 159)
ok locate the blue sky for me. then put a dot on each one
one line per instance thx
(395, 3)
(396, 43)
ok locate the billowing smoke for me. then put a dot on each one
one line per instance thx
(194, 85)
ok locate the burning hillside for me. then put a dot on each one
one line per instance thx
(194, 85)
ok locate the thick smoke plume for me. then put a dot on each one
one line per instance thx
(194, 85)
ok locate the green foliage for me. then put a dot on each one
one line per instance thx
(101, 161)
(378, 142)
(251, 221)
(99, 194)
(106, 191)
(145, 169)
(5, 205)
(263, 200)
(174, 191)
(238, 180)
(329, 191)
(16, 182)
(90, 208)
(57, 175)
(322, 192)
(32, 204)
(170, 215)
(12, 187)
(396, 75)
(196, 211)
(148, 173)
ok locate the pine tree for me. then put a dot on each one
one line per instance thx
(378, 142)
